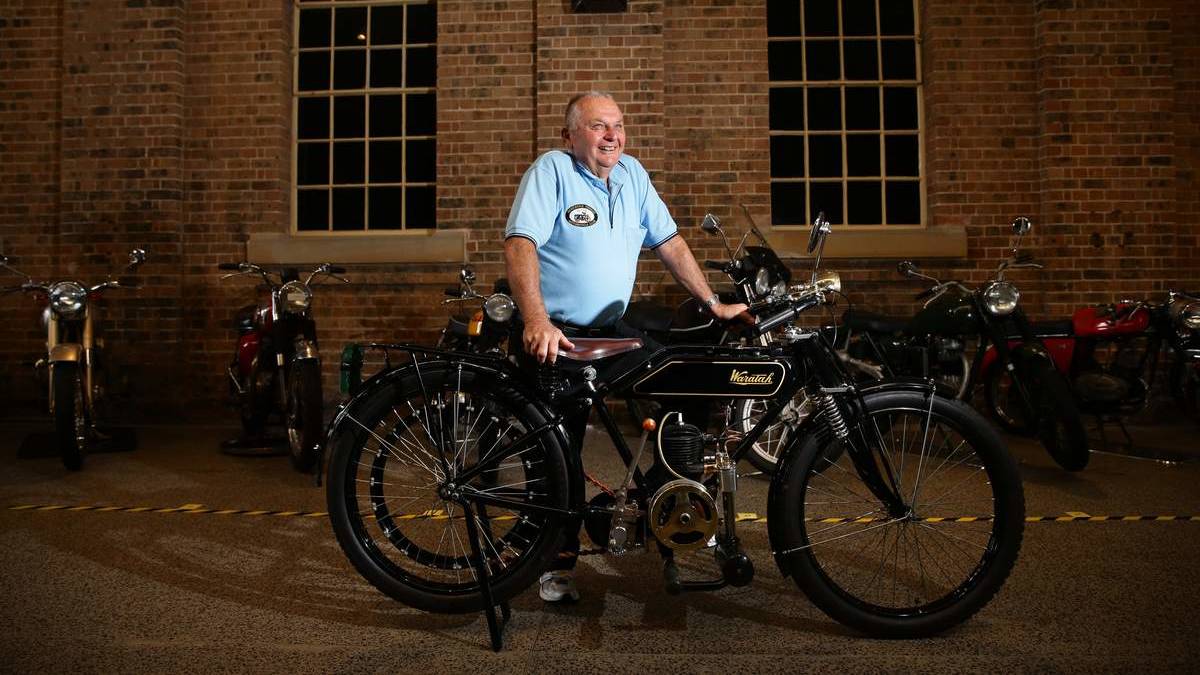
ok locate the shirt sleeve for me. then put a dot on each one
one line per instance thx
(659, 224)
(535, 208)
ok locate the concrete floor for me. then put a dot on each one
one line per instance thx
(121, 591)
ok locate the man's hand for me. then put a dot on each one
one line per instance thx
(726, 312)
(543, 341)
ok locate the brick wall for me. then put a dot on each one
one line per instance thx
(168, 124)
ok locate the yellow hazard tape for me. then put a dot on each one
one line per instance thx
(439, 514)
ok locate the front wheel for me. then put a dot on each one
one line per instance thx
(1059, 425)
(70, 413)
(305, 415)
(764, 454)
(906, 528)
(399, 495)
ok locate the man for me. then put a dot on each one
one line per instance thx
(581, 216)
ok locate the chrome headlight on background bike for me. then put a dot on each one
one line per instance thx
(499, 308)
(762, 282)
(68, 299)
(296, 297)
(1189, 317)
(1000, 298)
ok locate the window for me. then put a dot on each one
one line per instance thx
(365, 116)
(845, 111)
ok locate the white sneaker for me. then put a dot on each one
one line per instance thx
(558, 586)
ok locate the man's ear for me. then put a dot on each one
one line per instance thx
(566, 135)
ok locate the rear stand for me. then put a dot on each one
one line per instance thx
(495, 625)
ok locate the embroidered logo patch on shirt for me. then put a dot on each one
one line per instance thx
(581, 215)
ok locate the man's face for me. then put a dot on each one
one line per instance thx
(599, 138)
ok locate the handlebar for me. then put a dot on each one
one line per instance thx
(714, 265)
(248, 267)
(229, 266)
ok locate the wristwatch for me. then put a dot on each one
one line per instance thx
(714, 299)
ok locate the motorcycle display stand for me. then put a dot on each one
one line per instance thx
(43, 444)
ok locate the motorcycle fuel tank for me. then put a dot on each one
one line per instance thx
(734, 378)
(1098, 321)
(949, 314)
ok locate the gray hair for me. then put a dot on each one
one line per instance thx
(572, 116)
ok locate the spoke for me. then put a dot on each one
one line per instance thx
(393, 450)
(931, 528)
(843, 536)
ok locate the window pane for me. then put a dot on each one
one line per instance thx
(827, 197)
(349, 117)
(862, 108)
(824, 108)
(787, 204)
(899, 108)
(862, 155)
(820, 17)
(896, 17)
(385, 208)
(419, 208)
(314, 28)
(350, 26)
(387, 68)
(783, 17)
(421, 158)
(312, 210)
(422, 114)
(422, 67)
(903, 156)
(313, 71)
(348, 209)
(858, 17)
(387, 165)
(825, 156)
(899, 60)
(348, 161)
(387, 26)
(784, 61)
(823, 60)
(861, 60)
(865, 202)
(349, 69)
(312, 164)
(422, 24)
(787, 108)
(787, 156)
(387, 116)
(903, 203)
(312, 116)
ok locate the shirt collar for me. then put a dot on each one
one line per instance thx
(616, 177)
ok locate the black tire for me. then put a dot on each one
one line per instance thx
(1059, 424)
(305, 416)
(1185, 387)
(966, 514)
(764, 454)
(384, 475)
(70, 413)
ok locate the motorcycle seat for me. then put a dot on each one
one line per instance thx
(872, 322)
(592, 349)
(1058, 327)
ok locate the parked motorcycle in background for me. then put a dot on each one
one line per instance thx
(1110, 355)
(482, 330)
(934, 344)
(74, 356)
(276, 365)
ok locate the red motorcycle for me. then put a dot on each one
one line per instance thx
(1110, 355)
(276, 366)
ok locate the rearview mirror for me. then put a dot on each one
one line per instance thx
(711, 224)
(820, 229)
(467, 275)
(906, 268)
(1021, 226)
(136, 257)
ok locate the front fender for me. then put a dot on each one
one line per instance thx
(66, 351)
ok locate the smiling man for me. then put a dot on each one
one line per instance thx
(580, 218)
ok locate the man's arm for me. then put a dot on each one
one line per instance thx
(541, 338)
(678, 258)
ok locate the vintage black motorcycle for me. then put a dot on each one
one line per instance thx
(74, 355)
(481, 330)
(954, 319)
(897, 511)
(276, 366)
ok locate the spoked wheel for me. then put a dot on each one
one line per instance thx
(304, 415)
(922, 550)
(764, 454)
(70, 414)
(405, 463)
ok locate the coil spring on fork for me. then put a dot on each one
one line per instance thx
(833, 416)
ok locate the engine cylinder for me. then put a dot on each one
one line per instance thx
(682, 446)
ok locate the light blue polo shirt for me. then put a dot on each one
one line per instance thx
(588, 235)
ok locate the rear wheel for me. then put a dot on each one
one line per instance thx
(396, 492)
(305, 416)
(920, 551)
(764, 454)
(70, 413)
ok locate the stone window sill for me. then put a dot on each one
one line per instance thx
(413, 246)
(845, 242)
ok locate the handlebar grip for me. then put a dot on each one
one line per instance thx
(229, 266)
(453, 292)
(775, 321)
(714, 265)
(924, 294)
(337, 269)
